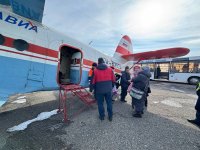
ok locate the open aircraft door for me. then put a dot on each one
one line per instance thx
(69, 75)
(69, 65)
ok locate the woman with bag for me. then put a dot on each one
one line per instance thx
(139, 91)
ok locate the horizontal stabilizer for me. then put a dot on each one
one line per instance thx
(163, 53)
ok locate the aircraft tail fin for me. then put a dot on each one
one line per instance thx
(124, 47)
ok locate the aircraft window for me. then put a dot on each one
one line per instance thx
(20, 45)
(2, 39)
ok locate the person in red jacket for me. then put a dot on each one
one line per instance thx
(103, 81)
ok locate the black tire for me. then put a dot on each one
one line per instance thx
(193, 80)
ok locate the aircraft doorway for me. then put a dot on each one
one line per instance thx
(69, 68)
(162, 71)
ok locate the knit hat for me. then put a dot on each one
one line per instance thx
(146, 68)
(101, 61)
(112, 67)
(94, 64)
(127, 67)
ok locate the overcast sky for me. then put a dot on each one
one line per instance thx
(151, 24)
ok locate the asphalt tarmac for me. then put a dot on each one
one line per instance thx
(163, 126)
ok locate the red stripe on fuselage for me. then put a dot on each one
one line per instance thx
(33, 48)
(43, 51)
(8, 42)
(87, 62)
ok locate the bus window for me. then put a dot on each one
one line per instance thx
(194, 67)
(179, 67)
(164, 67)
(162, 71)
(151, 66)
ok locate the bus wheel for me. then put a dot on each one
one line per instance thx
(193, 80)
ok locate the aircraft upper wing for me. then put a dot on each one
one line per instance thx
(5, 2)
(32, 9)
(157, 54)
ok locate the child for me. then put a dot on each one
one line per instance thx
(115, 94)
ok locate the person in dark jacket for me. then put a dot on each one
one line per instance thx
(141, 82)
(125, 82)
(103, 82)
(196, 121)
(158, 72)
(147, 70)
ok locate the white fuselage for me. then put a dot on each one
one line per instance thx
(36, 68)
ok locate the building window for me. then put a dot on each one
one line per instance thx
(2, 39)
(20, 45)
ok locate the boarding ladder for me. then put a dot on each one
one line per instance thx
(76, 90)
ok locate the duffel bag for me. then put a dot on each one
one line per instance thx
(137, 94)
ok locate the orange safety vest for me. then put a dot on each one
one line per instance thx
(90, 73)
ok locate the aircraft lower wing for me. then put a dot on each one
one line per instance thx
(32, 9)
(157, 54)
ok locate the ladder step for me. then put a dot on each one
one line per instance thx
(91, 101)
(80, 92)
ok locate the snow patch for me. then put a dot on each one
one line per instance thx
(171, 103)
(19, 101)
(41, 116)
(21, 97)
(155, 102)
(177, 90)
